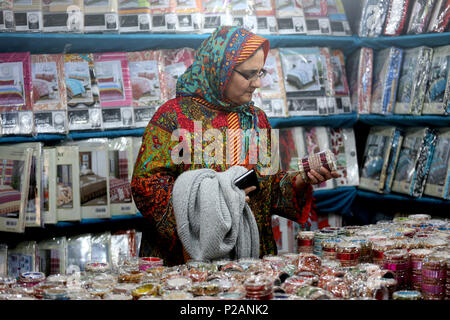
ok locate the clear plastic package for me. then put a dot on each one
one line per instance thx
(78, 253)
(397, 16)
(396, 143)
(373, 17)
(22, 258)
(414, 161)
(134, 16)
(216, 13)
(121, 169)
(317, 140)
(34, 210)
(438, 180)
(440, 17)
(7, 22)
(164, 18)
(101, 251)
(265, 16)
(3, 260)
(16, 104)
(273, 92)
(64, 16)
(291, 147)
(413, 80)
(113, 80)
(243, 15)
(339, 25)
(49, 93)
(52, 256)
(420, 16)
(145, 84)
(28, 15)
(376, 156)
(49, 186)
(93, 178)
(387, 65)
(340, 83)
(174, 63)
(67, 184)
(15, 166)
(305, 89)
(101, 16)
(438, 88)
(190, 16)
(316, 17)
(290, 17)
(83, 98)
(343, 146)
(359, 67)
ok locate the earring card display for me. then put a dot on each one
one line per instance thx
(438, 89)
(396, 17)
(340, 83)
(51, 256)
(49, 93)
(292, 147)
(121, 164)
(101, 16)
(78, 253)
(305, 87)
(413, 80)
(49, 185)
(438, 181)
(414, 161)
(15, 93)
(94, 182)
(373, 17)
(83, 99)
(68, 183)
(189, 15)
(387, 64)
(420, 16)
(272, 87)
(343, 145)
(28, 15)
(174, 63)
(317, 140)
(113, 81)
(359, 67)
(134, 16)
(34, 209)
(63, 16)
(145, 84)
(339, 25)
(375, 160)
(22, 258)
(15, 164)
(440, 17)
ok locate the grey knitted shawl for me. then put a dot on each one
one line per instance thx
(212, 216)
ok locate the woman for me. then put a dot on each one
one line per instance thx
(215, 92)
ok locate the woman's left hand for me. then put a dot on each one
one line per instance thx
(315, 178)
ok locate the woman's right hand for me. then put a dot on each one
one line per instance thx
(247, 191)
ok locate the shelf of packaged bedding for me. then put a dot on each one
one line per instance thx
(405, 120)
(37, 43)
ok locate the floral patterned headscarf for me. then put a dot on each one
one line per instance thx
(214, 62)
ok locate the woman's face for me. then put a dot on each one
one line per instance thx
(239, 89)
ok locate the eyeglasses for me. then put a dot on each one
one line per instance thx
(252, 76)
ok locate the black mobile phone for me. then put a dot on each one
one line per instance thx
(248, 179)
